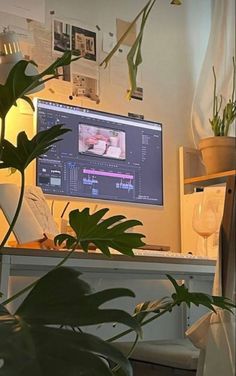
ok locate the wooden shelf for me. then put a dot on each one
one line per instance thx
(217, 178)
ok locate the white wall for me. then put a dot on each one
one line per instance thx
(173, 49)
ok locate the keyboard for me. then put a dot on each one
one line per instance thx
(144, 252)
(150, 253)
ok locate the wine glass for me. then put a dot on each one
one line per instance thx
(205, 222)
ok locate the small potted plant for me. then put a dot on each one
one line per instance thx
(219, 152)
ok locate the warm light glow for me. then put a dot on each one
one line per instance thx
(14, 47)
(10, 49)
(5, 49)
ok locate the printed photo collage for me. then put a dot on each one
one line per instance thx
(83, 42)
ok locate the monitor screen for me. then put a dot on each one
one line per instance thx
(104, 157)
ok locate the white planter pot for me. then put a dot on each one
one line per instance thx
(218, 153)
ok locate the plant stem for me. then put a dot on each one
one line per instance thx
(18, 208)
(3, 127)
(115, 48)
(214, 94)
(117, 367)
(27, 288)
(122, 334)
(234, 78)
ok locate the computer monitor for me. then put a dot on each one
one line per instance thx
(104, 157)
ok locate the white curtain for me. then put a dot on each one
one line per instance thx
(220, 51)
(214, 335)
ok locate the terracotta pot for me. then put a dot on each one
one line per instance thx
(218, 153)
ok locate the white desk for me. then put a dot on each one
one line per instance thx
(16, 261)
(139, 272)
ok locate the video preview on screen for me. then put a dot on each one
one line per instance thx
(105, 142)
(104, 157)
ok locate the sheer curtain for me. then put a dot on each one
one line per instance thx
(220, 51)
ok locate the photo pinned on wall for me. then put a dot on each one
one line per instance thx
(138, 93)
(61, 36)
(84, 86)
(84, 42)
(64, 73)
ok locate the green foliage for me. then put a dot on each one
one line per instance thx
(220, 124)
(157, 308)
(44, 336)
(29, 346)
(134, 57)
(182, 295)
(152, 306)
(19, 157)
(19, 84)
(103, 233)
(61, 298)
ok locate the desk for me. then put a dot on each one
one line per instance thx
(17, 261)
(135, 271)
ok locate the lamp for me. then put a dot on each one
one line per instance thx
(10, 54)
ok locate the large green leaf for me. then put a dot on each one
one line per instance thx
(20, 156)
(64, 352)
(61, 298)
(104, 234)
(38, 350)
(29, 346)
(17, 350)
(181, 295)
(19, 84)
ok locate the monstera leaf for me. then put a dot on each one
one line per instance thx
(103, 233)
(17, 351)
(19, 84)
(182, 295)
(29, 346)
(19, 157)
(157, 308)
(152, 306)
(62, 291)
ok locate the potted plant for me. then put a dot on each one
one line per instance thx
(219, 152)
(44, 337)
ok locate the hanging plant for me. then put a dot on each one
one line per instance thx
(134, 57)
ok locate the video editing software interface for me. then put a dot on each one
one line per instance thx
(105, 156)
